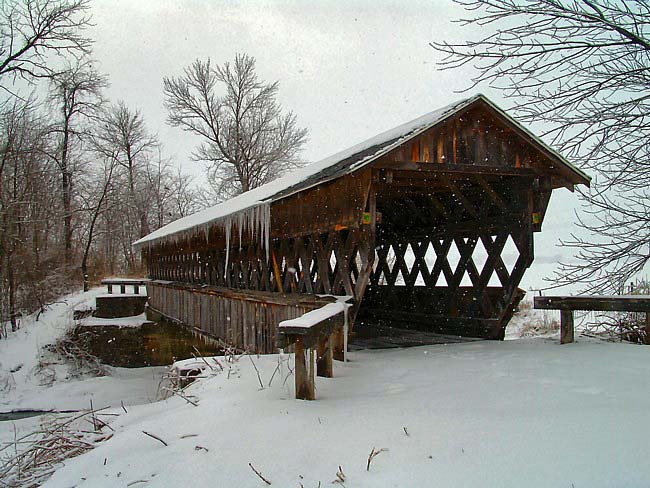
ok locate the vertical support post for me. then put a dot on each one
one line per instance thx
(122, 288)
(136, 289)
(110, 289)
(304, 391)
(312, 371)
(338, 344)
(566, 326)
(324, 358)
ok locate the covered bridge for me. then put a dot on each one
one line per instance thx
(376, 222)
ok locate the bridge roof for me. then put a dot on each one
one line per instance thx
(345, 162)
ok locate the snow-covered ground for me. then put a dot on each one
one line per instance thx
(24, 387)
(525, 412)
(515, 413)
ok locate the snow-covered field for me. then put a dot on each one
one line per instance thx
(522, 413)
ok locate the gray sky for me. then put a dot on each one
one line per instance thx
(349, 70)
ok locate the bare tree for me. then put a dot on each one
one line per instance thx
(23, 207)
(247, 140)
(581, 69)
(125, 137)
(35, 32)
(76, 96)
(96, 205)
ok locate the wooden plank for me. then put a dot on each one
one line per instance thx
(602, 303)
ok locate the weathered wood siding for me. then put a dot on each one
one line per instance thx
(244, 319)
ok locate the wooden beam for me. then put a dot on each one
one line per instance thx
(601, 303)
(464, 201)
(496, 198)
(448, 169)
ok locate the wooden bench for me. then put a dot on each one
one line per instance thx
(314, 330)
(598, 303)
(123, 282)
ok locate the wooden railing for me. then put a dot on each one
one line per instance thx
(316, 330)
(601, 303)
(123, 282)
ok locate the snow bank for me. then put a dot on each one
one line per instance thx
(134, 321)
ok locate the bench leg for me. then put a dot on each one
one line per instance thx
(324, 358)
(304, 385)
(566, 326)
(338, 345)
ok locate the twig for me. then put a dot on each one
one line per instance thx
(259, 474)
(340, 476)
(136, 482)
(182, 395)
(406, 432)
(202, 358)
(123, 407)
(155, 437)
(277, 368)
(372, 455)
(259, 378)
(92, 415)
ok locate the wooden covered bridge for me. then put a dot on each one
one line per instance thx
(377, 223)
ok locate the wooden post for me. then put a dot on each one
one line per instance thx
(110, 288)
(338, 345)
(122, 288)
(312, 371)
(304, 391)
(566, 326)
(324, 366)
(136, 289)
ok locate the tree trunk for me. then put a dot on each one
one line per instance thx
(67, 193)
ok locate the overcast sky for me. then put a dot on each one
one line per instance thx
(349, 70)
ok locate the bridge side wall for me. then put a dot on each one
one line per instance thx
(246, 320)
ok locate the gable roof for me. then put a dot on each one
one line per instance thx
(342, 163)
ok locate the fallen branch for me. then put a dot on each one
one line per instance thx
(259, 474)
(154, 437)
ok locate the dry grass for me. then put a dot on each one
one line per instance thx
(540, 325)
(28, 461)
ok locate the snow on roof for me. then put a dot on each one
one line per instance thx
(249, 204)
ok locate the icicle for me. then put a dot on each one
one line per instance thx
(227, 224)
(240, 224)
